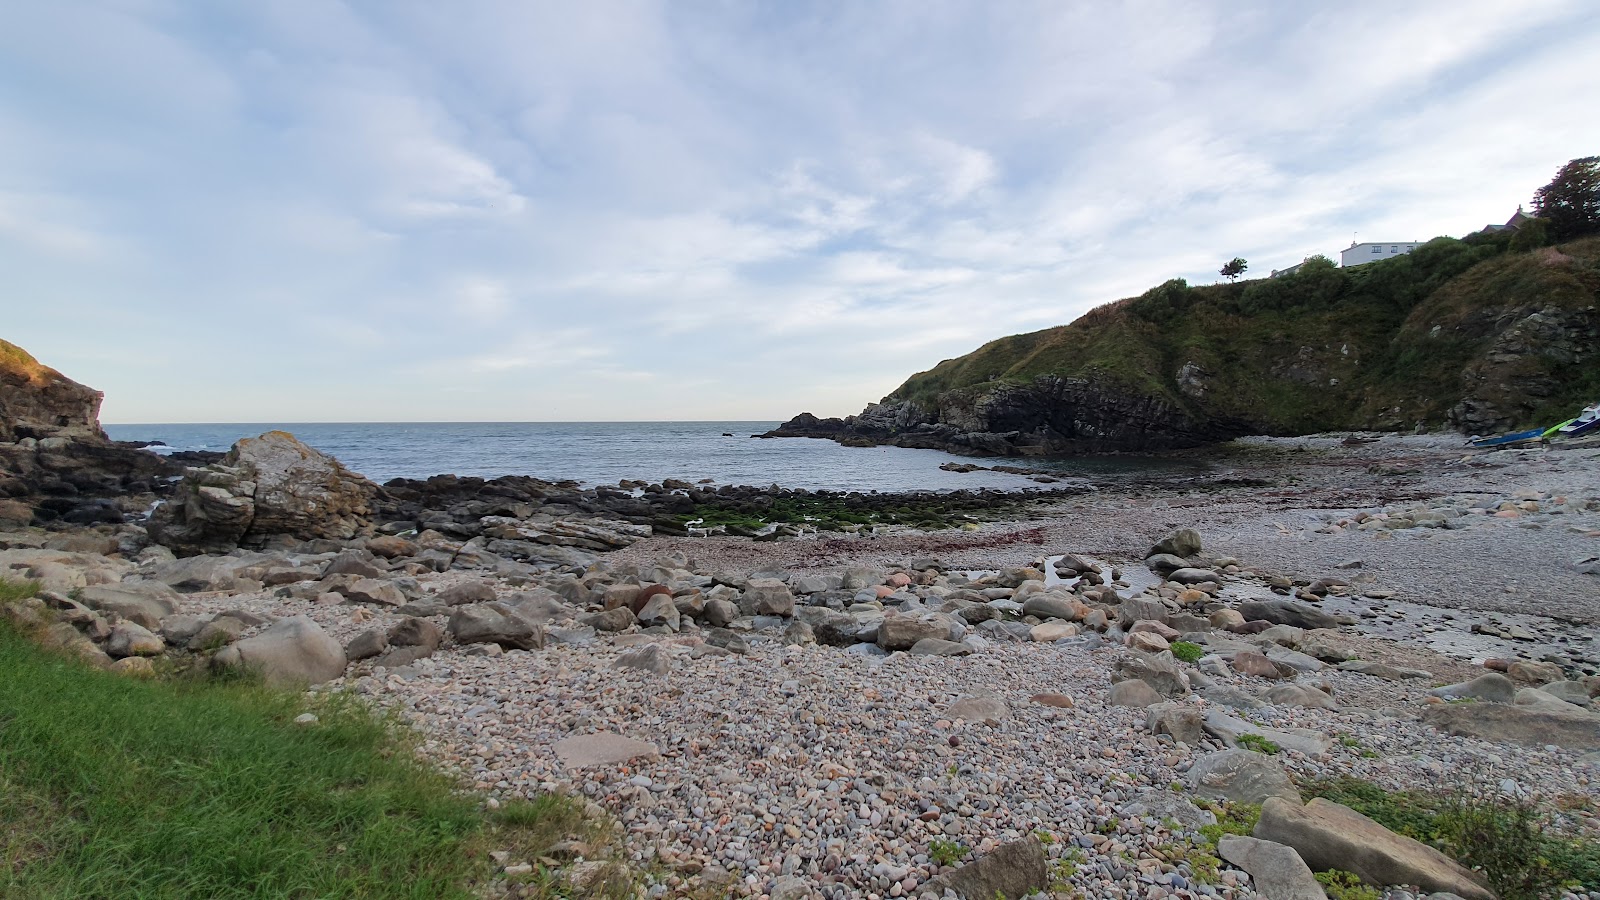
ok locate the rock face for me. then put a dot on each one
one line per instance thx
(36, 401)
(1013, 870)
(1563, 725)
(1278, 871)
(1132, 375)
(266, 486)
(1330, 836)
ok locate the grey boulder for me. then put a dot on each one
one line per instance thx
(1277, 871)
(291, 651)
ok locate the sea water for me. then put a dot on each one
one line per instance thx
(598, 453)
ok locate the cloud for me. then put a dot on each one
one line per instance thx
(605, 210)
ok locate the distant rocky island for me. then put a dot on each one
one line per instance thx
(1477, 335)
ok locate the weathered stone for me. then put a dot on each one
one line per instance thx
(1134, 693)
(1491, 687)
(771, 597)
(1147, 642)
(1330, 836)
(1535, 672)
(903, 631)
(619, 618)
(649, 658)
(265, 486)
(467, 592)
(1240, 776)
(294, 650)
(1180, 720)
(1011, 871)
(415, 632)
(1046, 632)
(978, 709)
(1532, 726)
(1298, 695)
(1276, 871)
(130, 639)
(219, 632)
(1229, 729)
(659, 610)
(145, 603)
(602, 748)
(1247, 662)
(374, 591)
(1286, 612)
(937, 647)
(1159, 670)
(367, 644)
(1047, 606)
(495, 623)
(1183, 542)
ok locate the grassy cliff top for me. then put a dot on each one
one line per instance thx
(1325, 347)
(18, 362)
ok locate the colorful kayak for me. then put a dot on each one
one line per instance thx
(1553, 430)
(1506, 440)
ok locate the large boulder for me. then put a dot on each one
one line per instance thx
(495, 623)
(1277, 871)
(903, 631)
(145, 603)
(1287, 612)
(291, 651)
(1241, 776)
(1183, 542)
(1013, 870)
(266, 486)
(1563, 725)
(1159, 670)
(1330, 836)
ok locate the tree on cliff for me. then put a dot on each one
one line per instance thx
(1571, 201)
(1234, 268)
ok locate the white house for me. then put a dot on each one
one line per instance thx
(1361, 254)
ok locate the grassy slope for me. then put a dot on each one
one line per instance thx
(17, 361)
(1273, 348)
(190, 788)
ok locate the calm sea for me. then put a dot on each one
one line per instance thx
(597, 453)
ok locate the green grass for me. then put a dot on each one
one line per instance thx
(194, 788)
(945, 853)
(1342, 885)
(1232, 818)
(11, 590)
(1510, 841)
(1187, 651)
(1257, 743)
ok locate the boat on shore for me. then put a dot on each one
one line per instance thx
(1587, 422)
(1531, 436)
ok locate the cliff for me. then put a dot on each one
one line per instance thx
(1462, 333)
(56, 464)
(36, 401)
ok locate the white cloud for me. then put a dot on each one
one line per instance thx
(656, 210)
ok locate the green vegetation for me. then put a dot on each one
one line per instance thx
(1571, 201)
(1187, 651)
(12, 590)
(1513, 842)
(1232, 818)
(1342, 885)
(195, 788)
(1257, 743)
(1064, 868)
(1382, 345)
(1233, 268)
(945, 853)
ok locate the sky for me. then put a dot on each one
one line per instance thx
(501, 210)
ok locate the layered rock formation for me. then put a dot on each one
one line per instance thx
(265, 487)
(56, 464)
(36, 401)
(1463, 334)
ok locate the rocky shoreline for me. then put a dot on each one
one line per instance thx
(873, 713)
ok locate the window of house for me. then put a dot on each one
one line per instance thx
(1394, 249)
(1377, 249)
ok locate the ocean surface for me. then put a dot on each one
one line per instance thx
(597, 453)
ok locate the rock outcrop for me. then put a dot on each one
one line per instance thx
(56, 464)
(265, 487)
(38, 402)
(1498, 339)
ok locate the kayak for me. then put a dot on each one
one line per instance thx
(1554, 429)
(1503, 440)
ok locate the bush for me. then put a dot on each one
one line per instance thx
(1342, 885)
(1257, 743)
